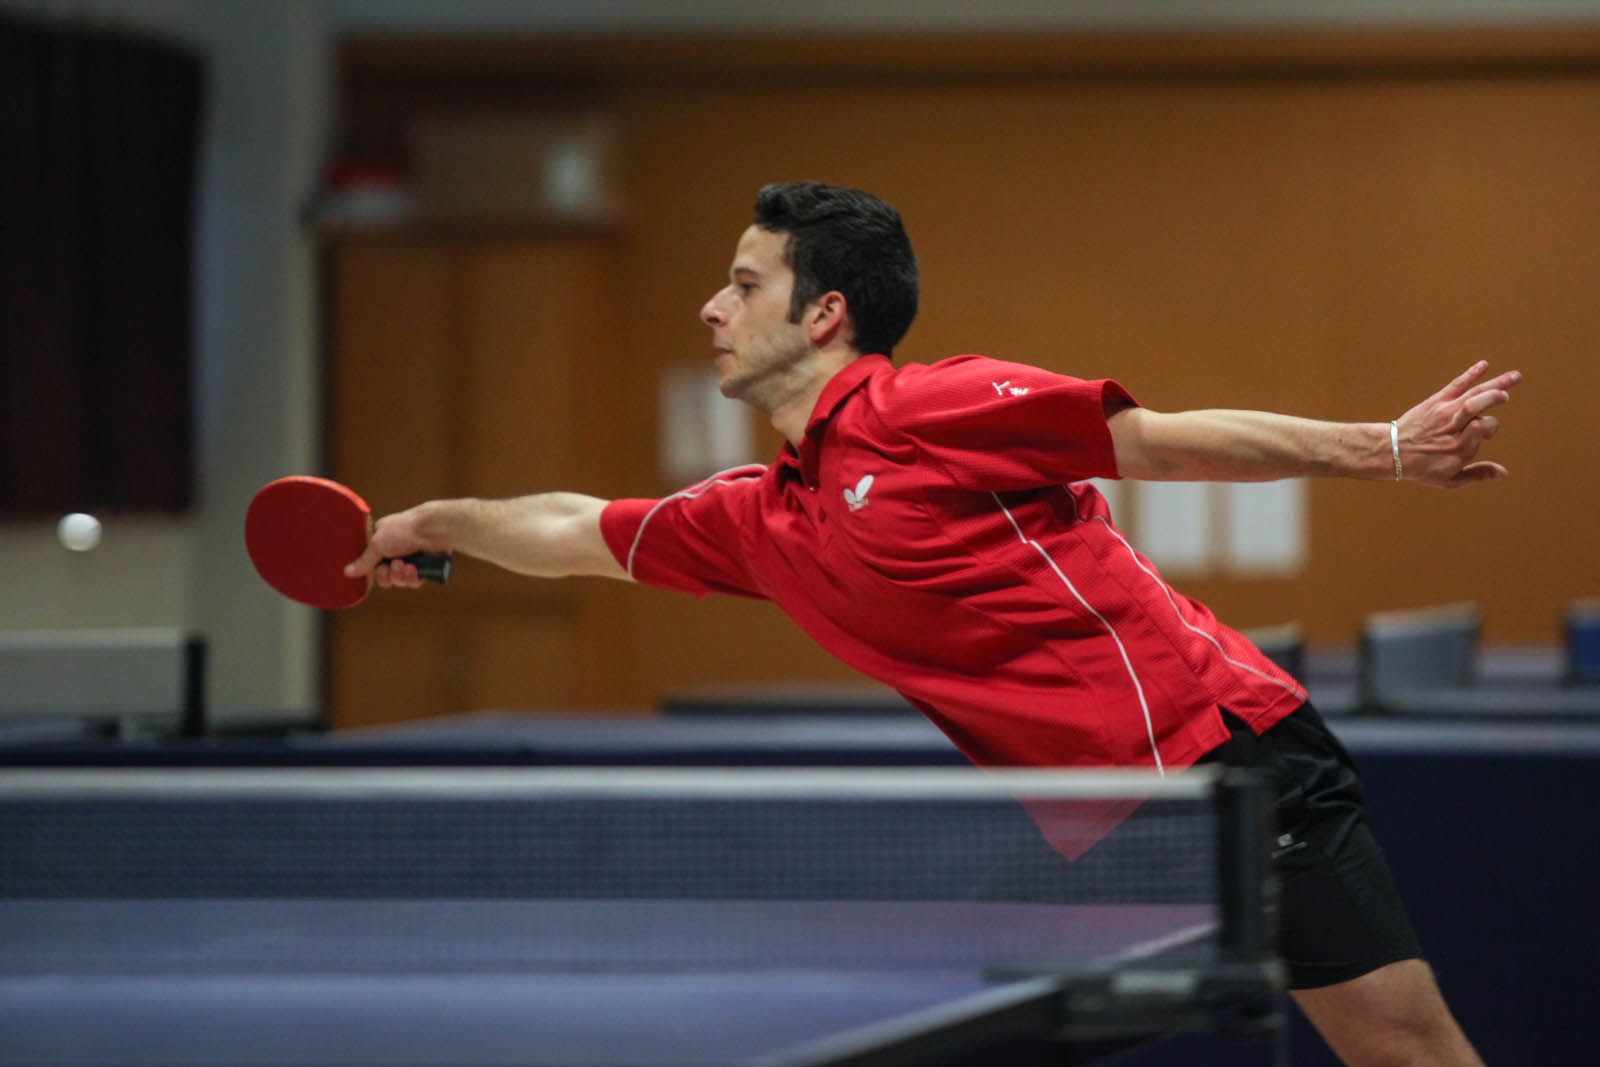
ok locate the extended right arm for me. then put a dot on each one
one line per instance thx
(548, 535)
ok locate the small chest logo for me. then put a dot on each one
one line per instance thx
(1002, 388)
(857, 497)
(1287, 844)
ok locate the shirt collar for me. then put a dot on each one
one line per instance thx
(803, 461)
(849, 378)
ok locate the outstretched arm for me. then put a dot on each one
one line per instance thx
(550, 535)
(1437, 440)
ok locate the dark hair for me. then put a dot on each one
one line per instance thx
(850, 241)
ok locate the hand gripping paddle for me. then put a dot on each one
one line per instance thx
(301, 531)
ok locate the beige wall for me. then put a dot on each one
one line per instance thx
(255, 364)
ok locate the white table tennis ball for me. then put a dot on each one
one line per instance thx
(78, 532)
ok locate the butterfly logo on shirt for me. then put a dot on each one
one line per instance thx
(1002, 388)
(857, 497)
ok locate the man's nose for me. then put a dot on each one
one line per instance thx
(712, 314)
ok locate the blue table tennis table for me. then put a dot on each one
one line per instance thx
(1444, 795)
(176, 933)
(292, 983)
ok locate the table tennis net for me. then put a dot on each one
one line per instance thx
(491, 870)
(480, 835)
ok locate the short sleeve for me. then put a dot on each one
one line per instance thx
(692, 541)
(1001, 426)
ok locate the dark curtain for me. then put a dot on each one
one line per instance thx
(97, 176)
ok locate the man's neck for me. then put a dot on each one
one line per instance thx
(791, 417)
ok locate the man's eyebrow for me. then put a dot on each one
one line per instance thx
(749, 272)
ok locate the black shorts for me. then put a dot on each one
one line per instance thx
(1340, 914)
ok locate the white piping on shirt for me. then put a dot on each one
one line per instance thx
(697, 489)
(1167, 589)
(1138, 689)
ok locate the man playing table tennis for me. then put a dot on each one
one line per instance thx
(931, 526)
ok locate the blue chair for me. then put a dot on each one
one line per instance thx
(1583, 642)
(1404, 652)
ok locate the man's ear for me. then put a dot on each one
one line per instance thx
(826, 317)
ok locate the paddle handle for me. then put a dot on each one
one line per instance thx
(431, 566)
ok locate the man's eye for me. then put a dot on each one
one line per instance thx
(746, 287)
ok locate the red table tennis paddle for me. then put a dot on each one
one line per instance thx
(301, 531)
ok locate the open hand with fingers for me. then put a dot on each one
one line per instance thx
(1440, 437)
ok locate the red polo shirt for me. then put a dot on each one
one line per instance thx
(934, 531)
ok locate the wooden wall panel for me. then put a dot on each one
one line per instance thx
(434, 656)
(396, 321)
(458, 369)
(531, 313)
(519, 659)
(394, 665)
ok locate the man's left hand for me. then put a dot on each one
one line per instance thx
(1439, 438)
